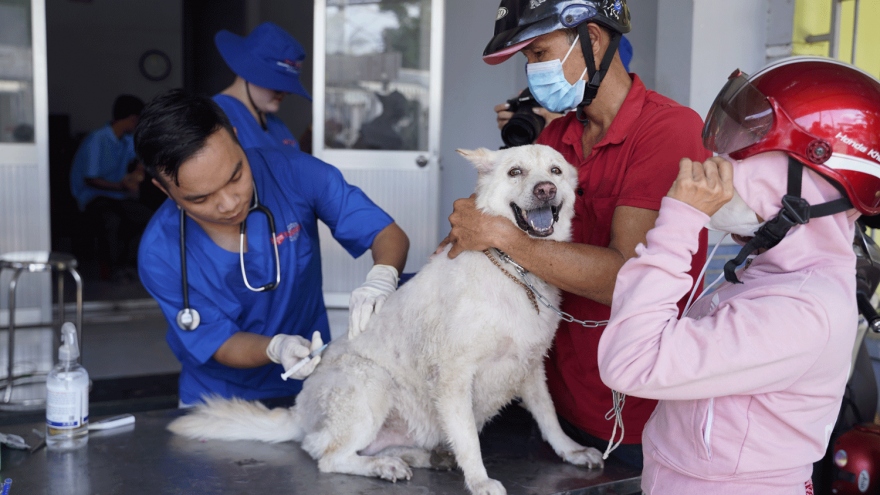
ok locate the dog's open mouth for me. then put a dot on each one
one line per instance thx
(537, 222)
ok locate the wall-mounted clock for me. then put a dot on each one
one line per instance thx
(155, 65)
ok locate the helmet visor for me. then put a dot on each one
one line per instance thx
(740, 117)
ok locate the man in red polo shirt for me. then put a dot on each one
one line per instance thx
(626, 142)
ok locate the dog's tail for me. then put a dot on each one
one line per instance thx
(236, 419)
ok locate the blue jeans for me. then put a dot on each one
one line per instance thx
(629, 454)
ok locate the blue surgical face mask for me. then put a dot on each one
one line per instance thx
(550, 88)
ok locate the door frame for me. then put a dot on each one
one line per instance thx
(24, 168)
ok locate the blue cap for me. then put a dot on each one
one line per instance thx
(268, 57)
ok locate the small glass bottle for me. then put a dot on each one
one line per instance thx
(67, 400)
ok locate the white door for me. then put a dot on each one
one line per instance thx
(377, 118)
(24, 181)
(24, 149)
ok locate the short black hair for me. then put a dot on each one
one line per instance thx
(127, 105)
(173, 127)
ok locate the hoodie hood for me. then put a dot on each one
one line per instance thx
(762, 181)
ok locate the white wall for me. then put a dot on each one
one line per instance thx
(471, 88)
(727, 35)
(643, 38)
(93, 53)
(700, 42)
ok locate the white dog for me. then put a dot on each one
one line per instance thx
(448, 350)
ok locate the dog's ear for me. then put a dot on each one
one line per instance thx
(482, 159)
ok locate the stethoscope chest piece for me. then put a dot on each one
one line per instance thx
(188, 319)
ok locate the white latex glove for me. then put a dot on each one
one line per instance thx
(288, 350)
(369, 297)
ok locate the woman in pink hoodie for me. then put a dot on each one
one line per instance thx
(751, 378)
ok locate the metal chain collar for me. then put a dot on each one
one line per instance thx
(530, 292)
(562, 314)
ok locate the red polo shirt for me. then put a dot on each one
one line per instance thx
(633, 165)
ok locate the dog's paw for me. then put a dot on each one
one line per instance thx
(391, 469)
(586, 456)
(443, 460)
(487, 487)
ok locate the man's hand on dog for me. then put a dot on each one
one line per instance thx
(473, 230)
(706, 186)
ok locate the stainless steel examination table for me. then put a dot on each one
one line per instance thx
(145, 458)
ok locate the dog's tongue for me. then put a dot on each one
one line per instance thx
(541, 218)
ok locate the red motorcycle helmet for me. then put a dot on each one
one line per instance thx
(824, 113)
(857, 461)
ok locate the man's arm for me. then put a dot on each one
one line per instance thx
(243, 350)
(248, 350)
(93, 158)
(129, 183)
(390, 247)
(581, 269)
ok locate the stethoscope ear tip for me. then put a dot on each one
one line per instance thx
(188, 319)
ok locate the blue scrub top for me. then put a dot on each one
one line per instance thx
(298, 194)
(248, 130)
(100, 156)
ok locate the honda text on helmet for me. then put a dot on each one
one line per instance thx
(519, 22)
(824, 114)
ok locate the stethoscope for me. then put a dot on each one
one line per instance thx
(188, 318)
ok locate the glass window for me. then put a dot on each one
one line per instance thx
(16, 72)
(377, 74)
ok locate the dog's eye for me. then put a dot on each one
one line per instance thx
(556, 171)
(514, 172)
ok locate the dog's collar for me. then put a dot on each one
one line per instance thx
(535, 292)
(507, 259)
(529, 292)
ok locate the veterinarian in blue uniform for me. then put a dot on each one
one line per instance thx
(245, 339)
(267, 64)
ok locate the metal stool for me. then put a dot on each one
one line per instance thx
(34, 262)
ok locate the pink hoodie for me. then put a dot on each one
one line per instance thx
(750, 381)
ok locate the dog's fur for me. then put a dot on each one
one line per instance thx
(448, 350)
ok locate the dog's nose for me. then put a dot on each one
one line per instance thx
(545, 191)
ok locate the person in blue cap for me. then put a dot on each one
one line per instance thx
(267, 65)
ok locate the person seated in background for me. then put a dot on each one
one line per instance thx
(240, 298)
(105, 178)
(267, 64)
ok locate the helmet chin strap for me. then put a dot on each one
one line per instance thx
(261, 116)
(594, 76)
(795, 211)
